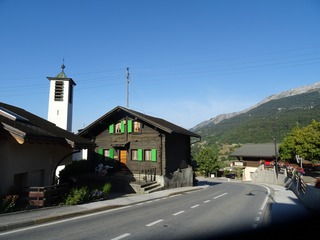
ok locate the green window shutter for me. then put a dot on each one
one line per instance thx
(140, 154)
(111, 153)
(122, 126)
(111, 128)
(100, 151)
(129, 126)
(153, 155)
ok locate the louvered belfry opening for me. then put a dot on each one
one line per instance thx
(58, 93)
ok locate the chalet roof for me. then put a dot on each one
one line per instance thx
(154, 121)
(264, 150)
(26, 126)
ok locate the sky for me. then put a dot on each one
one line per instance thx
(188, 60)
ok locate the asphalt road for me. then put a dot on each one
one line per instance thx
(219, 210)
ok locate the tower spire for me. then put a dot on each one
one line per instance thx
(63, 66)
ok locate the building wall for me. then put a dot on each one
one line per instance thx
(177, 152)
(28, 164)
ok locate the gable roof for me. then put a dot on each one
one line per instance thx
(29, 127)
(263, 150)
(154, 121)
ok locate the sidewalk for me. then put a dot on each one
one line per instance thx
(284, 202)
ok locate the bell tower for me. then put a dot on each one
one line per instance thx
(60, 100)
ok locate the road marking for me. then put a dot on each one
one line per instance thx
(153, 223)
(121, 236)
(62, 221)
(177, 213)
(206, 201)
(194, 206)
(220, 195)
(175, 195)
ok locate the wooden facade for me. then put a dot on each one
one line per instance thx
(136, 142)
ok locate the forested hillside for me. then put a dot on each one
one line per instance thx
(261, 124)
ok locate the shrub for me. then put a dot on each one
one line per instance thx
(106, 189)
(84, 194)
(7, 203)
(78, 196)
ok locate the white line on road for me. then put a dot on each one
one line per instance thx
(206, 201)
(121, 236)
(194, 206)
(177, 213)
(220, 195)
(153, 223)
(175, 195)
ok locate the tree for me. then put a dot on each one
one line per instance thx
(207, 160)
(304, 142)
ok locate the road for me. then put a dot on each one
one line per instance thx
(222, 208)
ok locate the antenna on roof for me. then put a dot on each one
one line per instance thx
(128, 80)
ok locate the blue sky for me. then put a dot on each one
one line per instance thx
(189, 60)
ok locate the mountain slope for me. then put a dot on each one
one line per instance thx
(288, 93)
(275, 116)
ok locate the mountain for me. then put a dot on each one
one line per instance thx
(275, 116)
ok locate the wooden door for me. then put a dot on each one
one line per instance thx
(123, 157)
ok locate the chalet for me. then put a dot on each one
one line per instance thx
(137, 142)
(250, 156)
(32, 148)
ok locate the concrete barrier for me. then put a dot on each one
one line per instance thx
(308, 194)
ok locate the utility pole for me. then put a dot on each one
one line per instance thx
(128, 80)
(275, 147)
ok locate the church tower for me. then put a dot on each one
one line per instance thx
(60, 100)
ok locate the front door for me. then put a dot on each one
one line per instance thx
(123, 157)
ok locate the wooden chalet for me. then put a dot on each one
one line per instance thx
(136, 143)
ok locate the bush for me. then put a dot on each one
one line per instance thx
(106, 189)
(84, 194)
(78, 196)
(7, 203)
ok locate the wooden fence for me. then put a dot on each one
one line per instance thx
(47, 195)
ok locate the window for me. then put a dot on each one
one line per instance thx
(106, 153)
(150, 155)
(147, 155)
(136, 154)
(136, 127)
(118, 127)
